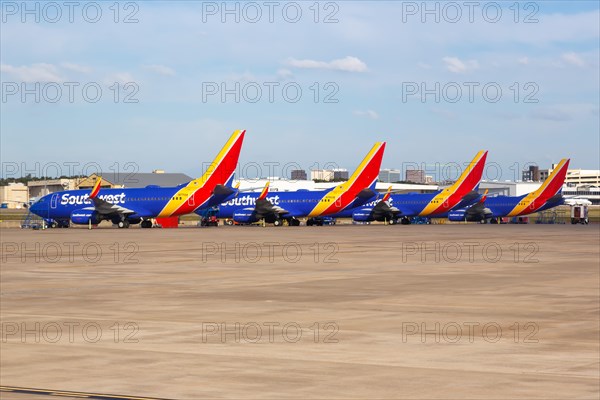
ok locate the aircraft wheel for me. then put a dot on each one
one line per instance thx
(229, 222)
(146, 224)
(277, 222)
(393, 222)
(123, 224)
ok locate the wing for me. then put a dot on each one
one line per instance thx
(104, 207)
(264, 207)
(384, 210)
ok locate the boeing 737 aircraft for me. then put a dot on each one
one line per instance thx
(547, 196)
(394, 206)
(289, 206)
(132, 206)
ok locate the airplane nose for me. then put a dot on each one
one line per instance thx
(35, 207)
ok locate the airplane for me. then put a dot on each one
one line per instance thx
(139, 205)
(312, 204)
(546, 196)
(394, 208)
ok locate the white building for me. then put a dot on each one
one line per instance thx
(322, 174)
(285, 185)
(14, 195)
(576, 176)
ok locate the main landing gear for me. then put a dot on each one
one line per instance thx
(146, 223)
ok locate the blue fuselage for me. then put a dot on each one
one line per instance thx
(298, 203)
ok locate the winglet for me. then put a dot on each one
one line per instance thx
(484, 197)
(264, 192)
(96, 188)
(387, 194)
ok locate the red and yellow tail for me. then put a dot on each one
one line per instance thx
(364, 177)
(551, 186)
(466, 183)
(198, 191)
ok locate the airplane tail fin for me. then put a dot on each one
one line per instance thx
(555, 181)
(96, 188)
(222, 168)
(368, 171)
(471, 176)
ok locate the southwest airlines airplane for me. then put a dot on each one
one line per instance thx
(547, 196)
(395, 206)
(132, 206)
(313, 204)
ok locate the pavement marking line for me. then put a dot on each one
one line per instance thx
(62, 393)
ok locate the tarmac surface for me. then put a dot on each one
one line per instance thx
(435, 312)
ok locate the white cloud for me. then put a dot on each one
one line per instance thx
(84, 69)
(285, 73)
(523, 60)
(348, 64)
(368, 113)
(454, 64)
(160, 69)
(33, 73)
(573, 59)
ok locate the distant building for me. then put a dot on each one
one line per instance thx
(575, 176)
(532, 174)
(41, 188)
(390, 175)
(298, 175)
(14, 195)
(415, 175)
(321, 175)
(340, 174)
(135, 180)
(428, 179)
(583, 177)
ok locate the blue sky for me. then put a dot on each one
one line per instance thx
(372, 58)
